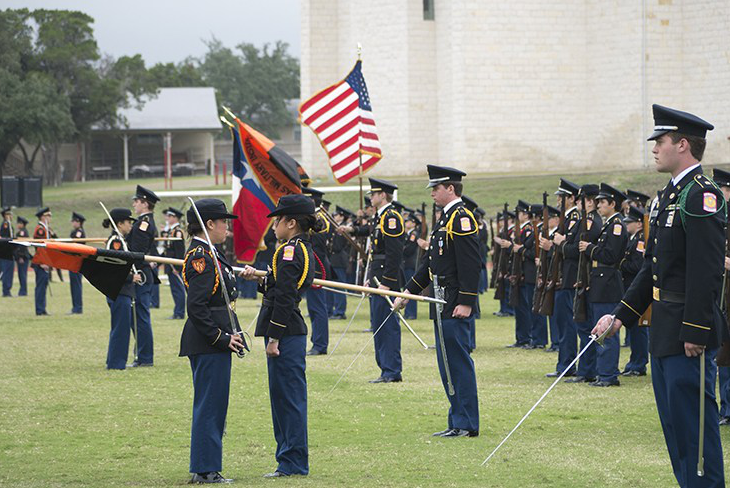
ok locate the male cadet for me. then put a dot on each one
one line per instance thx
(453, 261)
(410, 260)
(722, 178)
(555, 331)
(636, 199)
(175, 249)
(606, 286)
(42, 272)
(681, 279)
(7, 266)
(526, 281)
(74, 279)
(567, 194)
(316, 296)
(471, 206)
(339, 262)
(630, 265)
(386, 258)
(22, 257)
(142, 239)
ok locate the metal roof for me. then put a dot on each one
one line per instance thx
(175, 109)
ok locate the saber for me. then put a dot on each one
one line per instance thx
(224, 289)
(342, 292)
(439, 293)
(701, 448)
(400, 316)
(599, 340)
(361, 351)
(362, 297)
(255, 317)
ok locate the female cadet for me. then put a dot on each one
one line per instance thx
(121, 307)
(285, 333)
(208, 338)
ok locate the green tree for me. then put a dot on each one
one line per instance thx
(253, 82)
(186, 73)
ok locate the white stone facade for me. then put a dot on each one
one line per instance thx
(494, 86)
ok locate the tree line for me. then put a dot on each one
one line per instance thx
(56, 85)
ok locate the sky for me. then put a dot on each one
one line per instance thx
(171, 30)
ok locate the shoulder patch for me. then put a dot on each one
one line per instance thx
(413, 237)
(709, 202)
(78, 233)
(198, 264)
(392, 223)
(571, 224)
(465, 223)
(288, 253)
(589, 223)
(640, 246)
(116, 245)
(617, 228)
(144, 225)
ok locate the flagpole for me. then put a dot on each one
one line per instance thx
(362, 200)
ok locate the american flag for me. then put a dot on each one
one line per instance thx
(342, 118)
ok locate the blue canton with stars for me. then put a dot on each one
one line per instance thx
(357, 83)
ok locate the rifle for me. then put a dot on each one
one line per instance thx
(542, 266)
(645, 319)
(493, 279)
(347, 236)
(580, 301)
(723, 355)
(502, 260)
(516, 275)
(554, 274)
(424, 231)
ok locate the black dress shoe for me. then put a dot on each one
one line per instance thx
(316, 352)
(204, 478)
(516, 344)
(724, 420)
(580, 379)
(633, 373)
(439, 434)
(556, 374)
(605, 384)
(137, 364)
(461, 433)
(384, 379)
(276, 474)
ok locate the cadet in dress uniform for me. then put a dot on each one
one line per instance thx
(682, 280)
(121, 307)
(630, 266)
(586, 372)
(555, 332)
(42, 272)
(142, 239)
(636, 199)
(453, 259)
(175, 249)
(339, 261)
(282, 326)
(387, 238)
(74, 279)
(7, 266)
(472, 206)
(316, 296)
(606, 286)
(410, 260)
(22, 257)
(567, 194)
(722, 178)
(208, 337)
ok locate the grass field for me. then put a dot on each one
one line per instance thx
(66, 421)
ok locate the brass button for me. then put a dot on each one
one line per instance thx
(654, 259)
(655, 241)
(655, 277)
(671, 196)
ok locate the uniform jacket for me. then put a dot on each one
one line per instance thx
(21, 252)
(208, 326)
(387, 239)
(7, 230)
(453, 255)
(175, 249)
(633, 258)
(42, 231)
(142, 238)
(410, 250)
(292, 272)
(320, 242)
(527, 253)
(115, 243)
(685, 257)
(265, 255)
(606, 283)
(569, 248)
(340, 256)
(78, 233)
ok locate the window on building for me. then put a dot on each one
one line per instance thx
(149, 139)
(297, 134)
(428, 10)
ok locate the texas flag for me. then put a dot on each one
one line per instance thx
(262, 173)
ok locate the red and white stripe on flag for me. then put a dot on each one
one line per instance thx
(342, 118)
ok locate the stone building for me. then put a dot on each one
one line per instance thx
(521, 85)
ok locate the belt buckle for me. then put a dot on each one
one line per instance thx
(233, 305)
(595, 264)
(656, 294)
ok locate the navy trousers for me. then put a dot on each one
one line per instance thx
(41, 284)
(483, 280)
(23, 278)
(339, 301)
(504, 306)
(77, 303)
(121, 312)
(317, 307)
(639, 341)
(523, 320)
(211, 384)
(288, 394)
(563, 313)
(145, 341)
(177, 290)
(387, 340)
(723, 373)
(538, 329)
(7, 267)
(554, 332)
(411, 310)
(676, 381)
(464, 409)
(472, 332)
(607, 355)
(155, 296)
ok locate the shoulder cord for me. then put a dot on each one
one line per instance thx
(382, 228)
(306, 263)
(682, 203)
(215, 271)
(450, 232)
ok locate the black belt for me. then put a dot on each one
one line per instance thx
(378, 257)
(667, 296)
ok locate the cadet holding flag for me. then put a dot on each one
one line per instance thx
(681, 278)
(452, 263)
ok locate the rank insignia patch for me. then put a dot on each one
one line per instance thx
(617, 229)
(392, 224)
(465, 223)
(640, 246)
(198, 264)
(288, 253)
(709, 202)
(143, 225)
